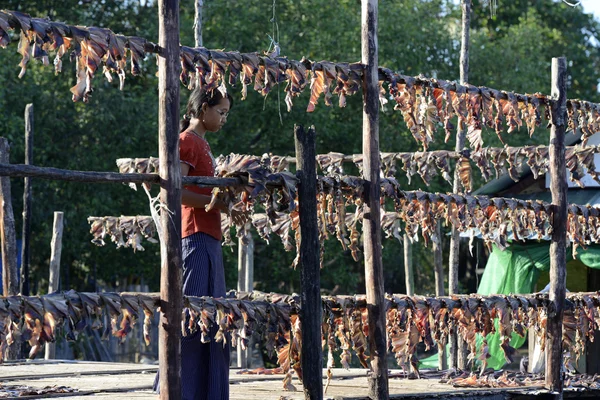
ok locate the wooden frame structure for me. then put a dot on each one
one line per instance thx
(171, 181)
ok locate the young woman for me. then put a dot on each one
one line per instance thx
(204, 366)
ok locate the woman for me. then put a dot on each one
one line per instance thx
(204, 366)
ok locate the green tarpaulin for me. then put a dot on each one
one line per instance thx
(516, 270)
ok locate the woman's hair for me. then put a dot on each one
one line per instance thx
(198, 97)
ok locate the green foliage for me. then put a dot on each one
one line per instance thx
(513, 51)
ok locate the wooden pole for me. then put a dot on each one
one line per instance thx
(27, 198)
(310, 273)
(54, 280)
(558, 245)
(199, 5)
(409, 277)
(169, 352)
(245, 284)
(458, 354)
(8, 235)
(10, 279)
(378, 380)
(22, 171)
(438, 262)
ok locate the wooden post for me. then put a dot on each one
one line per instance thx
(245, 284)
(169, 352)
(310, 273)
(458, 354)
(593, 348)
(378, 380)
(27, 202)
(558, 245)
(54, 280)
(10, 279)
(438, 262)
(8, 235)
(199, 5)
(409, 277)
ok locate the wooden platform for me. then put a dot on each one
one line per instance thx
(99, 380)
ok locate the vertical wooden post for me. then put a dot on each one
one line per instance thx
(378, 381)
(310, 273)
(458, 356)
(409, 278)
(169, 352)
(198, 6)
(54, 280)
(438, 262)
(558, 245)
(27, 202)
(10, 279)
(592, 349)
(245, 284)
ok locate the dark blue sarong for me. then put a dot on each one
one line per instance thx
(204, 366)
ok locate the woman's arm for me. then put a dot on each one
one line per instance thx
(196, 200)
(192, 199)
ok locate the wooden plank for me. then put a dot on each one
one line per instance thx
(458, 348)
(378, 381)
(558, 244)
(27, 198)
(54, 276)
(169, 350)
(310, 272)
(409, 277)
(351, 384)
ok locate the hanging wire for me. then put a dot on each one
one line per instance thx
(274, 51)
(571, 4)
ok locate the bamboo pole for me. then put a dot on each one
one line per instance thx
(458, 356)
(27, 198)
(169, 352)
(245, 283)
(558, 245)
(409, 277)
(378, 380)
(54, 277)
(310, 272)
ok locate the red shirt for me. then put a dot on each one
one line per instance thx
(195, 152)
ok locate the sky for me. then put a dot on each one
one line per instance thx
(590, 6)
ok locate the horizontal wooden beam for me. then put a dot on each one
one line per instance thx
(23, 170)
